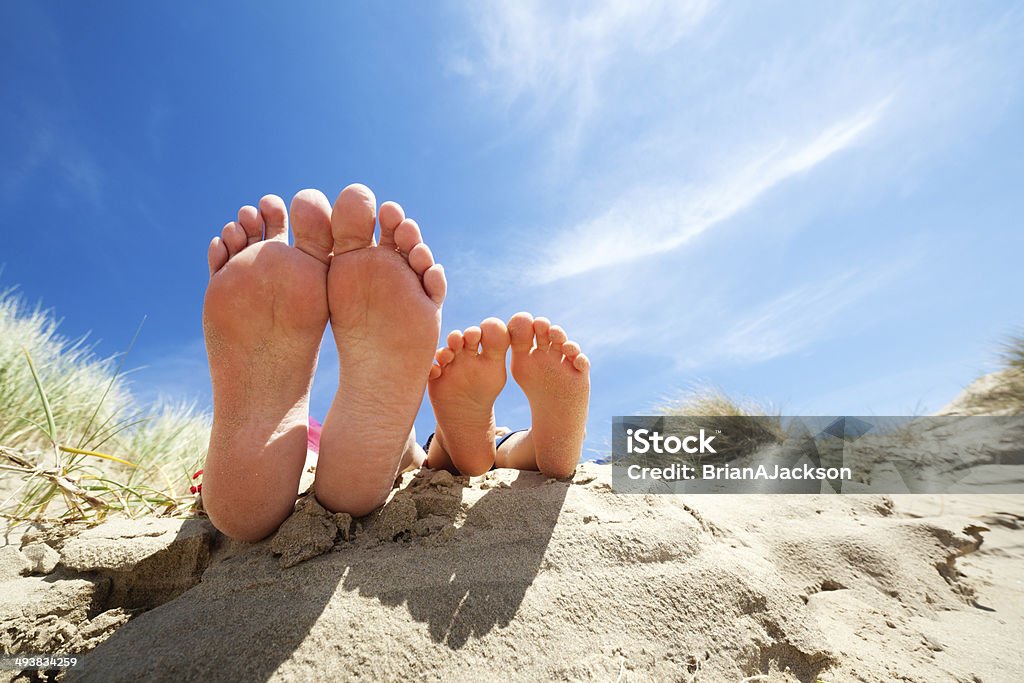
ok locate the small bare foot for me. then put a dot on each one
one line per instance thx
(385, 304)
(555, 377)
(263, 318)
(469, 375)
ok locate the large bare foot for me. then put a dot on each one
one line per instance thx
(385, 304)
(555, 377)
(469, 375)
(263, 318)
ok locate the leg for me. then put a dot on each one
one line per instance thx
(517, 452)
(414, 456)
(263, 318)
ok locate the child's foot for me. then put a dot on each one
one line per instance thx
(385, 304)
(263, 318)
(555, 377)
(463, 387)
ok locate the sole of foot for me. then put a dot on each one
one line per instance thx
(465, 382)
(555, 376)
(263, 319)
(385, 309)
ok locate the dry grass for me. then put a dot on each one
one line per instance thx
(1010, 392)
(1002, 392)
(745, 425)
(74, 446)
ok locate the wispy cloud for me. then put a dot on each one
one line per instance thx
(645, 222)
(692, 169)
(793, 320)
(547, 57)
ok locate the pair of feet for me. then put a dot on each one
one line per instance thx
(470, 374)
(266, 309)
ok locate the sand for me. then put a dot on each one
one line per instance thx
(516, 577)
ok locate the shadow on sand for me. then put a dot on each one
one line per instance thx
(248, 616)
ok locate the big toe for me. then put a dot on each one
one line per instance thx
(520, 329)
(353, 219)
(311, 222)
(494, 339)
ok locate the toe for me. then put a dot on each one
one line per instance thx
(520, 330)
(435, 372)
(391, 214)
(353, 219)
(275, 218)
(542, 330)
(435, 283)
(444, 356)
(233, 237)
(558, 335)
(217, 255)
(249, 219)
(455, 341)
(407, 235)
(581, 362)
(570, 349)
(421, 258)
(494, 338)
(311, 221)
(471, 339)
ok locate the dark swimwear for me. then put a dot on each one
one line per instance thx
(497, 442)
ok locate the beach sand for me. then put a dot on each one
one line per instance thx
(514, 576)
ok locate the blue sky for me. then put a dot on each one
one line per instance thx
(813, 204)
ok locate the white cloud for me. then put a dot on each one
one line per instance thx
(793, 320)
(645, 222)
(557, 57)
(676, 126)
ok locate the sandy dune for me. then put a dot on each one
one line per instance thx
(527, 579)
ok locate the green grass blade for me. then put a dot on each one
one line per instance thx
(50, 422)
(117, 428)
(34, 424)
(117, 373)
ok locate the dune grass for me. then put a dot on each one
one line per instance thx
(745, 425)
(74, 445)
(1008, 395)
(1013, 353)
(1001, 392)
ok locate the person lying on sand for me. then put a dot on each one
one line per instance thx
(266, 308)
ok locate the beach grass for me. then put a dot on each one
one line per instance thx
(1010, 392)
(74, 443)
(1003, 391)
(744, 425)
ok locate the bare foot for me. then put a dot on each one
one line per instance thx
(463, 387)
(385, 304)
(263, 318)
(555, 377)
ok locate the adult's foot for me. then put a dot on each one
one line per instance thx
(385, 302)
(264, 317)
(469, 375)
(555, 376)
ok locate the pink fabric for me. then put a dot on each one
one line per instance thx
(313, 440)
